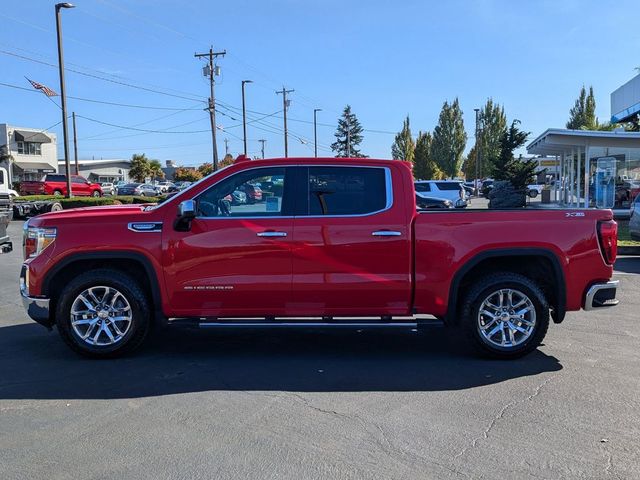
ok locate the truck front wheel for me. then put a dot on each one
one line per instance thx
(505, 315)
(103, 313)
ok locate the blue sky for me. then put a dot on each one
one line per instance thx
(385, 59)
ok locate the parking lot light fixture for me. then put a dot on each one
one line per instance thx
(63, 96)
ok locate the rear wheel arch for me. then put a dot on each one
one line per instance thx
(545, 269)
(137, 265)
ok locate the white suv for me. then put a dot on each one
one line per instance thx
(447, 189)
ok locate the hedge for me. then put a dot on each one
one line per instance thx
(77, 202)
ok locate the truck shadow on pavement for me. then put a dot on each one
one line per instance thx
(628, 265)
(37, 365)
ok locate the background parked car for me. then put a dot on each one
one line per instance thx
(56, 184)
(253, 192)
(431, 203)
(108, 188)
(163, 186)
(447, 189)
(139, 189)
(534, 190)
(634, 221)
(238, 197)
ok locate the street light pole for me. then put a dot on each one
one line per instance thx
(244, 117)
(315, 131)
(477, 110)
(63, 96)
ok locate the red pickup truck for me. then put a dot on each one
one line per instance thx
(331, 242)
(54, 184)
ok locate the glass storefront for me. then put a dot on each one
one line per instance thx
(614, 176)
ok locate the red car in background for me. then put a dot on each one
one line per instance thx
(253, 192)
(55, 184)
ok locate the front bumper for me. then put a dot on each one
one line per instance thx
(601, 295)
(37, 307)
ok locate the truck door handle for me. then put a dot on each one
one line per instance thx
(386, 233)
(270, 234)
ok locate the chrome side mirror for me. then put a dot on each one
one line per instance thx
(187, 209)
(186, 213)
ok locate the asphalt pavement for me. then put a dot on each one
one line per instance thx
(322, 405)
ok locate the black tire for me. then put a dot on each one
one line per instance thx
(482, 289)
(533, 193)
(134, 295)
(54, 207)
(96, 193)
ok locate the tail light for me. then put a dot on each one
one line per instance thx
(608, 239)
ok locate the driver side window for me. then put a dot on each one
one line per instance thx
(252, 193)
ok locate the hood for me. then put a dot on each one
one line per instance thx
(97, 213)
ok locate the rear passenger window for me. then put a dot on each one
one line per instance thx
(423, 187)
(448, 186)
(346, 190)
(55, 178)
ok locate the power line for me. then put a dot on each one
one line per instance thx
(104, 102)
(138, 87)
(140, 129)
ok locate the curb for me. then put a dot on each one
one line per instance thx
(628, 250)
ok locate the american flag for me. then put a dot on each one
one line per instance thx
(46, 90)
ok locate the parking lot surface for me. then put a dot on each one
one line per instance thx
(317, 404)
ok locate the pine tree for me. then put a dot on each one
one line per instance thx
(469, 165)
(517, 171)
(139, 168)
(583, 114)
(348, 135)
(403, 147)
(449, 139)
(424, 168)
(492, 122)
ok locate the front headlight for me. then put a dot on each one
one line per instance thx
(36, 239)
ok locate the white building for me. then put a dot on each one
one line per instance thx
(100, 170)
(27, 153)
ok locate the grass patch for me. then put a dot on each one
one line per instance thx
(624, 237)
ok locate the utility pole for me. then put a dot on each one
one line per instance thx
(475, 182)
(262, 140)
(285, 105)
(226, 146)
(210, 71)
(244, 117)
(75, 143)
(315, 132)
(63, 96)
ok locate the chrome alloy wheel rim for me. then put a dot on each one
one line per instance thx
(506, 318)
(101, 316)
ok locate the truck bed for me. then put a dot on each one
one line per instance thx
(450, 243)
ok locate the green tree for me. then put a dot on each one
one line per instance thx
(583, 114)
(139, 168)
(348, 135)
(227, 160)
(206, 169)
(403, 147)
(517, 171)
(469, 165)
(424, 168)
(492, 122)
(449, 139)
(183, 174)
(155, 169)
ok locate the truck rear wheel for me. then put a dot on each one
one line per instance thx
(103, 314)
(505, 315)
